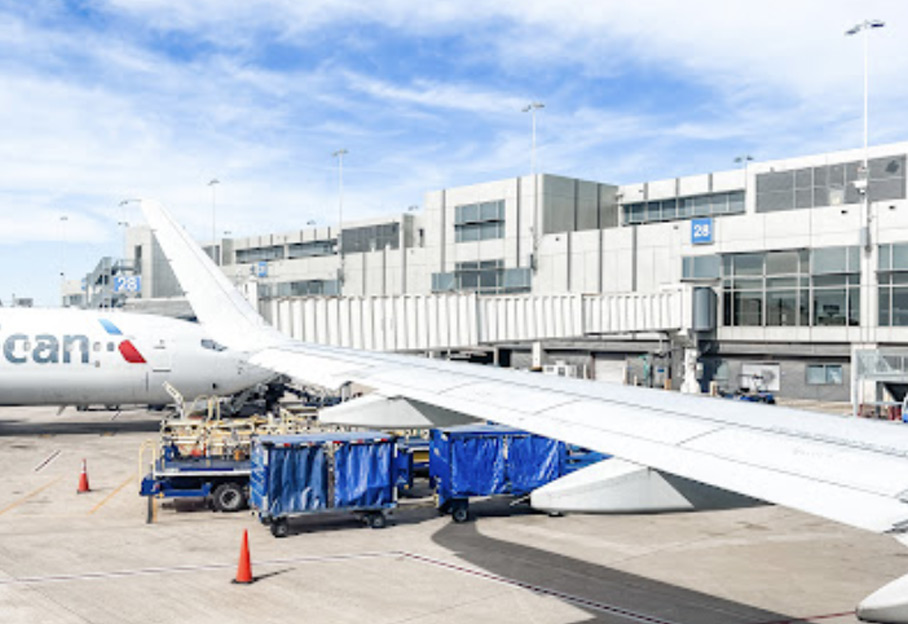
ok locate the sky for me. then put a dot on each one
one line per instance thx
(103, 101)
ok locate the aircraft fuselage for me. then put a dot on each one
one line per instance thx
(90, 357)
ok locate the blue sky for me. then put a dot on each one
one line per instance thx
(103, 100)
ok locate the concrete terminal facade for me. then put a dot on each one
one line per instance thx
(803, 274)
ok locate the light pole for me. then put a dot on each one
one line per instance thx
(214, 241)
(339, 154)
(63, 220)
(862, 184)
(744, 158)
(531, 108)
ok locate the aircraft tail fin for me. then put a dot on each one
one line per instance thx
(218, 305)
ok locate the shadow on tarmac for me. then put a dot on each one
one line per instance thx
(655, 601)
(72, 426)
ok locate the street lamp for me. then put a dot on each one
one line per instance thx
(531, 108)
(339, 154)
(744, 158)
(63, 220)
(862, 184)
(214, 250)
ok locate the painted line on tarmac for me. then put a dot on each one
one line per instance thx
(47, 460)
(545, 591)
(94, 576)
(32, 494)
(112, 494)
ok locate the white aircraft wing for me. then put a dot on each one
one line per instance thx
(849, 470)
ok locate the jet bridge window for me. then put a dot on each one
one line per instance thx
(207, 343)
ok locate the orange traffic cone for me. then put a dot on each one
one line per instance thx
(244, 569)
(83, 480)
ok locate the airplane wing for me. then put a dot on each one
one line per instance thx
(849, 470)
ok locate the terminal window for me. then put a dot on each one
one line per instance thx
(824, 374)
(819, 287)
(371, 238)
(892, 280)
(829, 185)
(480, 221)
(676, 208)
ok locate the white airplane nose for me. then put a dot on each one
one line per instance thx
(887, 605)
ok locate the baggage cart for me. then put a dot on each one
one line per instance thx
(296, 475)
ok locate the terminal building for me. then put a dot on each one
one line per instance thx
(777, 276)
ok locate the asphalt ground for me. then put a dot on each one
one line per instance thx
(73, 558)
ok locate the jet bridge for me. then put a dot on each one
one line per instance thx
(459, 321)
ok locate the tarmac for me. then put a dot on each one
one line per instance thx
(69, 558)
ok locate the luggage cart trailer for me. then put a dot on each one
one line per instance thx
(295, 475)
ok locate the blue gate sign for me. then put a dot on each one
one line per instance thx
(701, 231)
(128, 283)
(262, 270)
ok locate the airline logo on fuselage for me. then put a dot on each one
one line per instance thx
(67, 349)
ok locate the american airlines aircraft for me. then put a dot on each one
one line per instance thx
(850, 470)
(88, 357)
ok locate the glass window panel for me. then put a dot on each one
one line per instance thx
(829, 260)
(816, 374)
(854, 306)
(881, 168)
(891, 188)
(774, 182)
(854, 259)
(883, 304)
(685, 207)
(488, 211)
(488, 279)
(803, 198)
(669, 210)
(884, 256)
(900, 307)
(781, 282)
(830, 281)
(820, 196)
(718, 203)
(775, 202)
(469, 213)
(748, 264)
(820, 177)
(736, 202)
(749, 283)
(804, 307)
(727, 264)
(687, 267)
(748, 308)
(782, 308)
(468, 280)
(834, 374)
(829, 307)
(900, 256)
(517, 278)
(727, 309)
(782, 262)
(853, 171)
(804, 178)
(836, 176)
(897, 279)
(653, 211)
(701, 206)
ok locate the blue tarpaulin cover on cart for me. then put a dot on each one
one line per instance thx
(489, 459)
(363, 475)
(290, 473)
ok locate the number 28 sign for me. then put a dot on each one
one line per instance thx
(701, 231)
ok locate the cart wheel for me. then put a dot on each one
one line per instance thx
(229, 497)
(280, 527)
(377, 520)
(460, 513)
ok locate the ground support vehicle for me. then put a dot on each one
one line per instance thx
(485, 460)
(296, 475)
(223, 482)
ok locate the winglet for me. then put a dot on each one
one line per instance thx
(218, 305)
